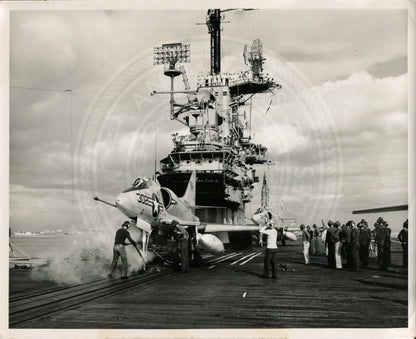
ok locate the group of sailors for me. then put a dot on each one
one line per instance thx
(352, 242)
(230, 79)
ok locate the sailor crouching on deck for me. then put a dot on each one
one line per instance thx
(120, 251)
(271, 250)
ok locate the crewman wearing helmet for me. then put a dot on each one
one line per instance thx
(119, 250)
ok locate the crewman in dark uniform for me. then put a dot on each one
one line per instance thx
(119, 250)
(380, 235)
(348, 244)
(365, 240)
(355, 246)
(316, 240)
(388, 244)
(342, 238)
(281, 236)
(330, 242)
(182, 237)
(403, 238)
(312, 249)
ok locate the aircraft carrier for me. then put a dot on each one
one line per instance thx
(219, 145)
(226, 292)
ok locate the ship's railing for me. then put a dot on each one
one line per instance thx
(254, 149)
(198, 146)
(232, 79)
(204, 141)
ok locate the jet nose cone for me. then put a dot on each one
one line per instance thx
(123, 203)
(120, 200)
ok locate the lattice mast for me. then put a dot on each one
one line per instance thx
(214, 29)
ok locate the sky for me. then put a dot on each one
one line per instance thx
(83, 122)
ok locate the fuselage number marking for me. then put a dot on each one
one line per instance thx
(146, 200)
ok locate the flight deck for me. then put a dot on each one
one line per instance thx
(226, 292)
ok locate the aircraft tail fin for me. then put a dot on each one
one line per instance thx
(189, 195)
(280, 210)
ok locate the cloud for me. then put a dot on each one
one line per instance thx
(66, 46)
(354, 138)
(327, 197)
(370, 99)
(326, 44)
(37, 209)
(389, 68)
(369, 125)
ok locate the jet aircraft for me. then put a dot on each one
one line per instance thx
(264, 214)
(155, 208)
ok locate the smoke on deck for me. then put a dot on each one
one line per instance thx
(85, 259)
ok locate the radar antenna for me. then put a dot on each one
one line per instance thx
(256, 58)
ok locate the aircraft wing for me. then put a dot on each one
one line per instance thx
(211, 228)
(382, 209)
(207, 227)
(168, 222)
(207, 239)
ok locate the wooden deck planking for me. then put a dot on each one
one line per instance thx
(312, 296)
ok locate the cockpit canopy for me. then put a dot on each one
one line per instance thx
(140, 183)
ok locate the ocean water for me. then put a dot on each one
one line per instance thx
(49, 246)
(70, 258)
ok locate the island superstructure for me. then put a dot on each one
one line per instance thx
(219, 145)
